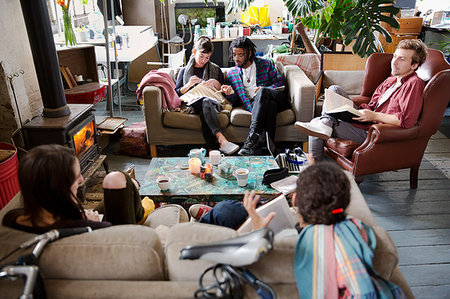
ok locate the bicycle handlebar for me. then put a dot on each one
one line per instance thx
(55, 234)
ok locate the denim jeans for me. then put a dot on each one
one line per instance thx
(229, 213)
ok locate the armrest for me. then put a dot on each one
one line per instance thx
(301, 93)
(152, 110)
(383, 133)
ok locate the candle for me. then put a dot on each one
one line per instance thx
(206, 172)
(194, 165)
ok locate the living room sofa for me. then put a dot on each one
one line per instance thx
(134, 261)
(167, 128)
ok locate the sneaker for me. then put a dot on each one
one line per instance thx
(198, 210)
(315, 128)
(229, 149)
(249, 146)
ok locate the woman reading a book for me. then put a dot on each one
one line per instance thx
(333, 255)
(49, 177)
(200, 70)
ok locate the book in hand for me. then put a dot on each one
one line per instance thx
(340, 107)
(282, 220)
(345, 113)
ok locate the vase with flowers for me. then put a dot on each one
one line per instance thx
(69, 34)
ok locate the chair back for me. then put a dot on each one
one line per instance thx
(436, 96)
(378, 68)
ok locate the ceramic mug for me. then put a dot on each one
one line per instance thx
(241, 175)
(215, 157)
(163, 182)
(198, 153)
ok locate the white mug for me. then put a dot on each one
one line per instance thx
(241, 176)
(163, 182)
(215, 157)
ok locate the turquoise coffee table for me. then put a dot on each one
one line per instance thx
(185, 185)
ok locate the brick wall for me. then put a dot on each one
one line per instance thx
(16, 62)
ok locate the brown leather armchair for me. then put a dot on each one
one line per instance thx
(388, 147)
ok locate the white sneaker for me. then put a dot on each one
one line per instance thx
(315, 128)
(229, 149)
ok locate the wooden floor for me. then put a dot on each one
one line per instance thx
(418, 220)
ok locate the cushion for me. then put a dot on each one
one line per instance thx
(344, 147)
(167, 215)
(190, 121)
(242, 118)
(350, 81)
(121, 252)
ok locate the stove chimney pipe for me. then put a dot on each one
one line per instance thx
(45, 59)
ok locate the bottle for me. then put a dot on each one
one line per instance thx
(209, 32)
(241, 31)
(218, 31)
(197, 32)
(226, 32)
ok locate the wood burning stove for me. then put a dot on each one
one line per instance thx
(76, 130)
(72, 125)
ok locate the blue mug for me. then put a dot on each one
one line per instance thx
(198, 153)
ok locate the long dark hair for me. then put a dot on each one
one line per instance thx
(45, 177)
(322, 188)
(245, 43)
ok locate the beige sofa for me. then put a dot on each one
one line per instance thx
(182, 128)
(130, 261)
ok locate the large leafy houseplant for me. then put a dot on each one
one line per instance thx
(349, 20)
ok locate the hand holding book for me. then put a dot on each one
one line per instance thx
(366, 116)
(342, 108)
(250, 202)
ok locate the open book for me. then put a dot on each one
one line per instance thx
(340, 107)
(282, 220)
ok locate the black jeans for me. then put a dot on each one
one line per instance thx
(266, 104)
(207, 109)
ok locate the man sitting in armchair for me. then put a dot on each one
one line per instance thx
(397, 101)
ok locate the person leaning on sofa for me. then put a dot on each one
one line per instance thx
(397, 101)
(49, 176)
(333, 255)
(199, 68)
(254, 81)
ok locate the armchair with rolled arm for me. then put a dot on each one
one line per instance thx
(388, 147)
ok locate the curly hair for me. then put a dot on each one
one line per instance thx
(322, 188)
(419, 48)
(245, 43)
(46, 174)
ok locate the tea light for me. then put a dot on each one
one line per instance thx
(194, 165)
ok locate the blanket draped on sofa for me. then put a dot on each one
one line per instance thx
(170, 99)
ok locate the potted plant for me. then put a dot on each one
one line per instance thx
(349, 20)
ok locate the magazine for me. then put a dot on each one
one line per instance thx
(282, 220)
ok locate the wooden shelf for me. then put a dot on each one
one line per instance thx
(80, 60)
(409, 29)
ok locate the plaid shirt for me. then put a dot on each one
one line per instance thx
(266, 75)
